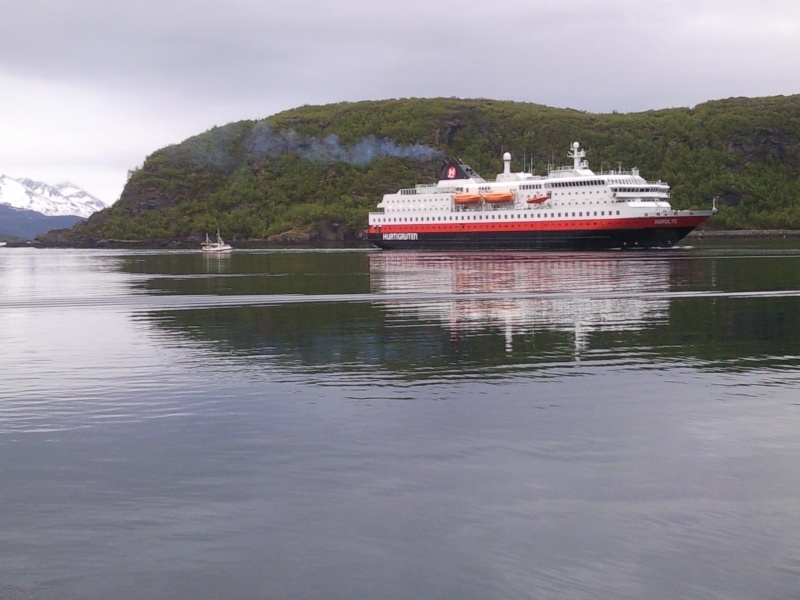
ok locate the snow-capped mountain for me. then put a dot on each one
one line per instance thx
(63, 199)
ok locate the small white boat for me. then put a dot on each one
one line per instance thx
(217, 247)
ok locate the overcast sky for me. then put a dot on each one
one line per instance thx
(89, 88)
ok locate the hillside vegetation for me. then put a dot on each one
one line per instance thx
(315, 172)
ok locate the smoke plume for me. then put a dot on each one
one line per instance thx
(263, 141)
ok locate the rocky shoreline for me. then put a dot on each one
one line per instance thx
(745, 233)
(300, 242)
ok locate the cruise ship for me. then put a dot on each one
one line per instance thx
(571, 208)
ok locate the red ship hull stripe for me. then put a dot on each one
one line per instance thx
(543, 225)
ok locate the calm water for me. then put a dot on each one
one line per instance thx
(363, 425)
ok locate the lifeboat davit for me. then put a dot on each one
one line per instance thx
(537, 199)
(467, 198)
(498, 197)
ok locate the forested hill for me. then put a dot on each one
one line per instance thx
(315, 172)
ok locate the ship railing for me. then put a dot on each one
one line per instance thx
(427, 188)
(561, 172)
(647, 184)
(615, 172)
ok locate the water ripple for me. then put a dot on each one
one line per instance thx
(143, 302)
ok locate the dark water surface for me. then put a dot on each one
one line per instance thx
(364, 425)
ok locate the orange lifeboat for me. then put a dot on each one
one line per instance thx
(498, 197)
(538, 199)
(467, 198)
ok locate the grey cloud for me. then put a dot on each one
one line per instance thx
(184, 66)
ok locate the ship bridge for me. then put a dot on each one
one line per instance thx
(646, 190)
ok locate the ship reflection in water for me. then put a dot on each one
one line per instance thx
(522, 294)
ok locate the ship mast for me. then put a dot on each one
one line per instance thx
(577, 155)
